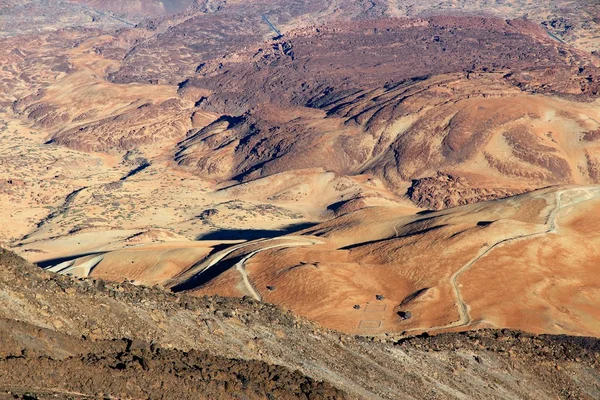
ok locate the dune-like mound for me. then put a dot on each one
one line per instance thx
(496, 138)
(144, 124)
(510, 263)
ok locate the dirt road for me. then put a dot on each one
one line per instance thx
(463, 309)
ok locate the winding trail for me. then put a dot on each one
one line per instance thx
(463, 311)
(241, 268)
(205, 265)
(199, 268)
(564, 198)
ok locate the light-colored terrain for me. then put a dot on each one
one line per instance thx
(137, 8)
(513, 263)
(196, 152)
(61, 202)
(383, 169)
(115, 130)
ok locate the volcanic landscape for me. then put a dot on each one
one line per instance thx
(300, 199)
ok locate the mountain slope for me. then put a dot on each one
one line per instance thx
(514, 263)
(55, 323)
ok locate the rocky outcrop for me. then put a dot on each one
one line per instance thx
(446, 191)
(41, 363)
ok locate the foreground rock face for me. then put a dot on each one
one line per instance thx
(68, 335)
(33, 359)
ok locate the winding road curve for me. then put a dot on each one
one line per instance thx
(240, 265)
(463, 311)
(578, 195)
(204, 266)
(201, 267)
